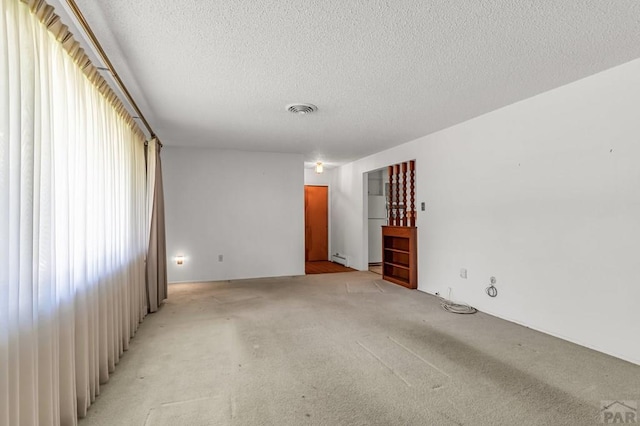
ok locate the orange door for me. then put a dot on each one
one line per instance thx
(316, 223)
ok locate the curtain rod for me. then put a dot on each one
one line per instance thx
(96, 44)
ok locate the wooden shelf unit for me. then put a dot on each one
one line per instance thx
(399, 255)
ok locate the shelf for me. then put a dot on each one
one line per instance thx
(399, 260)
(397, 250)
(398, 265)
(397, 279)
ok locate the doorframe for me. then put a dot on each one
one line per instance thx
(365, 211)
(328, 186)
(365, 219)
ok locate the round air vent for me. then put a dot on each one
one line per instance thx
(301, 108)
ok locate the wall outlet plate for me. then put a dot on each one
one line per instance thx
(463, 273)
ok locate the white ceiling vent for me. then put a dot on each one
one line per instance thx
(302, 108)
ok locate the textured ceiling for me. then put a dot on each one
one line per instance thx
(220, 73)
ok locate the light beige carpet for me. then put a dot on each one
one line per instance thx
(347, 349)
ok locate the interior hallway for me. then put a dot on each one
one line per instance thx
(347, 349)
(376, 268)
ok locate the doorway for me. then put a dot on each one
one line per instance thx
(316, 223)
(377, 181)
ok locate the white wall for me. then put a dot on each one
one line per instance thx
(544, 195)
(247, 206)
(321, 179)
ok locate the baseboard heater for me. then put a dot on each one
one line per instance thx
(341, 259)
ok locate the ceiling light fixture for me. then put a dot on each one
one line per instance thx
(301, 108)
(319, 167)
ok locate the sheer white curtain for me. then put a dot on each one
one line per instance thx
(73, 227)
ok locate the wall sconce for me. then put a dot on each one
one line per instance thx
(179, 260)
(319, 167)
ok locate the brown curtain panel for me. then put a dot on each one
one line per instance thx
(157, 253)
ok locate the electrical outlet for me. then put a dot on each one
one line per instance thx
(463, 273)
(220, 258)
(492, 280)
